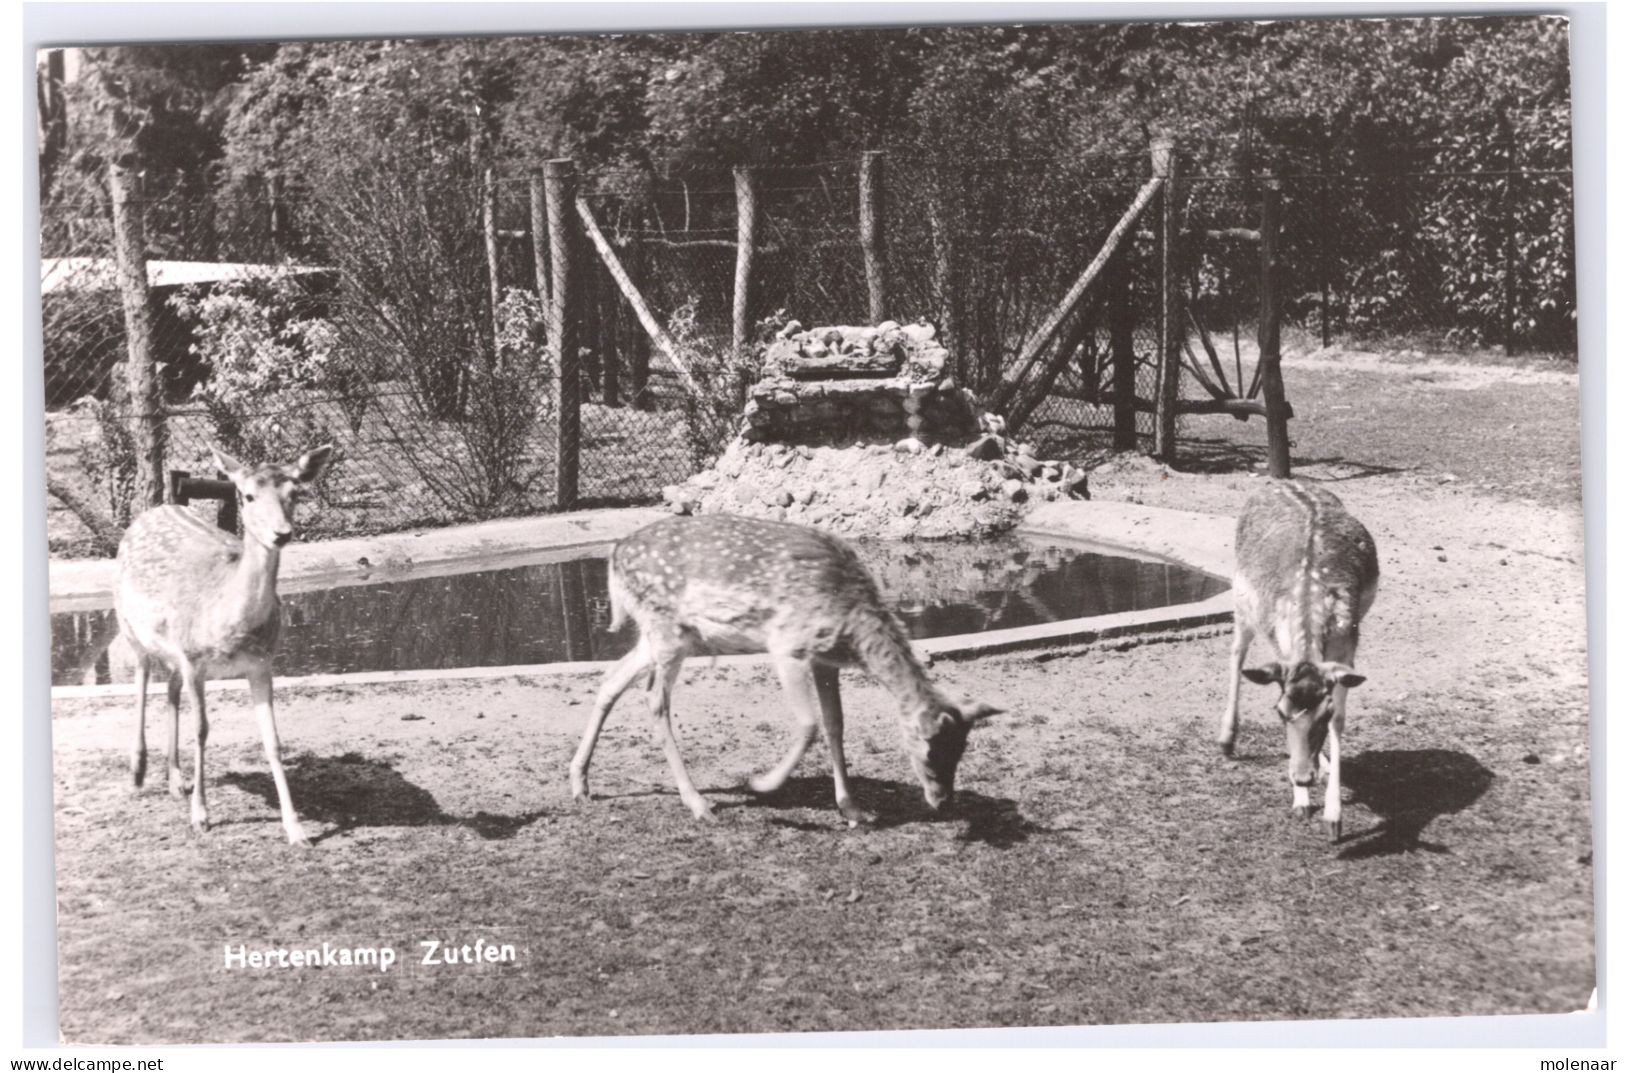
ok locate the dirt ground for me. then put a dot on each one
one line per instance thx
(1104, 863)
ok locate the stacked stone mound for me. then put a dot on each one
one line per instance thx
(840, 384)
(862, 431)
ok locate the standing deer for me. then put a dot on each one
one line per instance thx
(1306, 574)
(203, 603)
(720, 584)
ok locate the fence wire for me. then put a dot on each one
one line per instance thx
(406, 322)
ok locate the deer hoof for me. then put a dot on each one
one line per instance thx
(1334, 829)
(763, 784)
(177, 785)
(854, 816)
(704, 811)
(1300, 812)
(297, 838)
(1228, 748)
(138, 769)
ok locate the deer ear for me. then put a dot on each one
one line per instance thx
(312, 463)
(1343, 675)
(1269, 672)
(976, 711)
(227, 464)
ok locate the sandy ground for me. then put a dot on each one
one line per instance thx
(1104, 863)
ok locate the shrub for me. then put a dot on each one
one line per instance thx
(708, 418)
(264, 364)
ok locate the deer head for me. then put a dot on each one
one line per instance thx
(270, 491)
(1305, 707)
(943, 733)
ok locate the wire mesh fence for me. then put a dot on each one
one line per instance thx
(407, 321)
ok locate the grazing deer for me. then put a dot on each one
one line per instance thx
(720, 584)
(203, 603)
(1306, 574)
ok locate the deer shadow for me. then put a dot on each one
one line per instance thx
(350, 792)
(1408, 789)
(993, 821)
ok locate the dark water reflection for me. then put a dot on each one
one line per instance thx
(558, 612)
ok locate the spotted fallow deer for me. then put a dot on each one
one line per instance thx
(721, 584)
(203, 604)
(1306, 574)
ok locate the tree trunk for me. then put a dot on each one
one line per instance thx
(1171, 319)
(637, 354)
(559, 178)
(744, 261)
(1269, 333)
(140, 373)
(53, 120)
(1119, 299)
(872, 230)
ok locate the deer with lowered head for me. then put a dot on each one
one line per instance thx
(203, 604)
(1306, 574)
(722, 584)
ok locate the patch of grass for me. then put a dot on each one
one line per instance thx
(1157, 883)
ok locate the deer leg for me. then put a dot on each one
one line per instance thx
(177, 782)
(666, 670)
(200, 807)
(828, 682)
(796, 677)
(138, 752)
(620, 676)
(1232, 705)
(1333, 811)
(259, 685)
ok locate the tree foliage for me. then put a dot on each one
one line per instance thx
(996, 132)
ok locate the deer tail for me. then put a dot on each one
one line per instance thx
(618, 600)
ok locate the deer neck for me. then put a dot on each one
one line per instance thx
(890, 658)
(250, 592)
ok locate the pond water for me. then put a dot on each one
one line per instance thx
(557, 612)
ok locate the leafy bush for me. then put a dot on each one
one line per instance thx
(708, 417)
(264, 366)
(508, 389)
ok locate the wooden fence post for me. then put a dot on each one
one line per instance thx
(1322, 260)
(538, 239)
(1119, 300)
(1033, 349)
(637, 356)
(607, 306)
(872, 229)
(493, 257)
(1171, 316)
(951, 307)
(617, 272)
(1269, 331)
(559, 189)
(744, 260)
(142, 394)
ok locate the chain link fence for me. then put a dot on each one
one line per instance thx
(406, 322)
